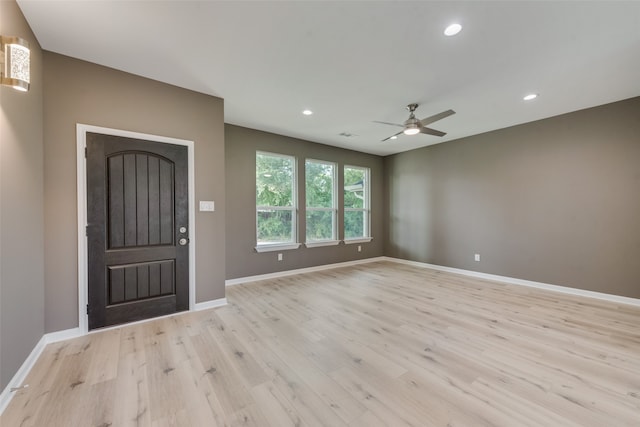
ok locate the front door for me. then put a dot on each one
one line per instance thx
(137, 229)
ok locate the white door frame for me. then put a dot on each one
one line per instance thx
(83, 282)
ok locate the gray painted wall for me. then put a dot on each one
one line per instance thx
(21, 208)
(80, 92)
(555, 201)
(241, 147)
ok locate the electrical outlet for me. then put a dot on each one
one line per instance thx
(477, 258)
(279, 257)
(359, 248)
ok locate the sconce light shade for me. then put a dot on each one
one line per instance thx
(17, 58)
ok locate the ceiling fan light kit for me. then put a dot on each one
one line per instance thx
(411, 130)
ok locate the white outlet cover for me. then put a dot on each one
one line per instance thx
(207, 206)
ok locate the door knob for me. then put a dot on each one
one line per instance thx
(183, 241)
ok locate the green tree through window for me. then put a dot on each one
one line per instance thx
(320, 182)
(356, 202)
(275, 199)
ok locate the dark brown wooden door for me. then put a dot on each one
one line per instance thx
(137, 216)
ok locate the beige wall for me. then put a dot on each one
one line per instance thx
(242, 260)
(555, 201)
(21, 208)
(81, 92)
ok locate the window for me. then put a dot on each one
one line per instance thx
(320, 184)
(356, 204)
(275, 202)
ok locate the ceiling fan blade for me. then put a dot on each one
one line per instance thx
(436, 117)
(430, 131)
(392, 136)
(387, 123)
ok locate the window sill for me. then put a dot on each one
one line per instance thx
(358, 240)
(276, 247)
(322, 243)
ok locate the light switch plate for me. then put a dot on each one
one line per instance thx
(207, 206)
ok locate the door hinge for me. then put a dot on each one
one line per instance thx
(85, 152)
(87, 308)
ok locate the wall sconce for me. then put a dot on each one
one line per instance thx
(16, 57)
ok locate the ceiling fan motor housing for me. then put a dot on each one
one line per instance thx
(412, 122)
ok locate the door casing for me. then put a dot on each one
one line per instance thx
(83, 283)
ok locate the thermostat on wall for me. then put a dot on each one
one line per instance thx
(207, 206)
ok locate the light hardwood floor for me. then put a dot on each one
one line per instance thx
(379, 344)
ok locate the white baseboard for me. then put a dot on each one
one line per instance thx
(231, 282)
(210, 304)
(21, 374)
(62, 335)
(496, 278)
(520, 282)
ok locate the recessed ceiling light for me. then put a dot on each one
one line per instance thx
(530, 97)
(452, 29)
(307, 112)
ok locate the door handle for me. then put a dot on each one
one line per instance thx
(183, 242)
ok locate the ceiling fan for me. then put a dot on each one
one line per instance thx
(413, 126)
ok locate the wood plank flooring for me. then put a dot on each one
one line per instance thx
(380, 344)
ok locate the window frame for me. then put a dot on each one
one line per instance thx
(334, 240)
(293, 243)
(366, 209)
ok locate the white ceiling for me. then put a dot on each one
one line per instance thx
(353, 62)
